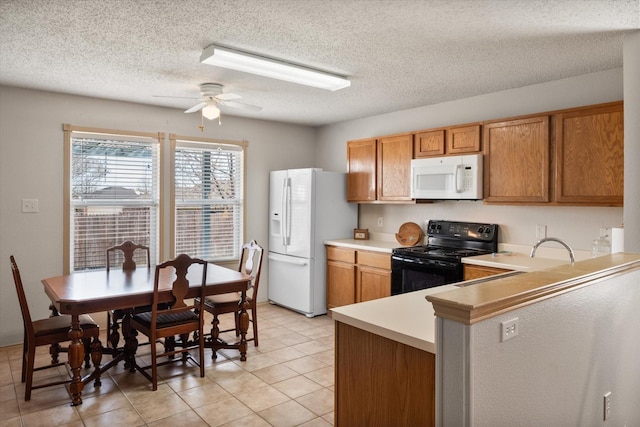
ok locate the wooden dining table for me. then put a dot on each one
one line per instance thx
(98, 291)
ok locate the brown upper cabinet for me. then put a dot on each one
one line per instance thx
(379, 169)
(566, 157)
(516, 161)
(453, 140)
(394, 168)
(590, 156)
(361, 170)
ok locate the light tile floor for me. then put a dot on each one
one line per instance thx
(287, 381)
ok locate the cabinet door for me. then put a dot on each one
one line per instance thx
(430, 143)
(590, 156)
(394, 168)
(463, 140)
(372, 283)
(341, 289)
(361, 170)
(516, 161)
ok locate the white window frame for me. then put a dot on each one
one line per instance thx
(70, 204)
(239, 147)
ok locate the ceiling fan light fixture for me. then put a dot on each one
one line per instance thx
(211, 112)
(272, 68)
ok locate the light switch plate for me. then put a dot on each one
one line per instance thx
(29, 205)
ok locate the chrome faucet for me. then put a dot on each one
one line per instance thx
(552, 239)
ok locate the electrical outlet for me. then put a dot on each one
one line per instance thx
(29, 205)
(607, 406)
(541, 232)
(509, 329)
(379, 221)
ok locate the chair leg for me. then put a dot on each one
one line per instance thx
(54, 351)
(31, 356)
(215, 332)
(154, 364)
(114, 335)
(201, 354)
(254, 321)
(87, 352)
(184, 342)
(169, 345)
(24, 358)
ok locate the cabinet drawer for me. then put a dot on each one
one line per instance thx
(341, 254)
(476, 271)
(374, 259)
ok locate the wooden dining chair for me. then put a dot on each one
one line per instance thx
(250, 263)
(51, 331)
(180, 317)
(114, 317)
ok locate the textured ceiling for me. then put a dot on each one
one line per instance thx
(399, 54)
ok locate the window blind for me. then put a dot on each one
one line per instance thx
(114, 196)
(208, 195)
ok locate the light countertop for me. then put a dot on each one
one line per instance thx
(407, 318)
(378, 243)
(516, 257)
(510, 256)
(515, 261)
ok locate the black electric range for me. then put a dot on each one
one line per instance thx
(439, 262)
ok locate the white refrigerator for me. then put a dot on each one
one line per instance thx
(306, 207)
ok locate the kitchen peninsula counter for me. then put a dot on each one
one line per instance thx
(385, 361)
(387, 346)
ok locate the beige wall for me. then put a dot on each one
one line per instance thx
(31, 167)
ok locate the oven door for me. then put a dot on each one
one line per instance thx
(413, 274)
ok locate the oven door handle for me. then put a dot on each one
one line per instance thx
(425, 262)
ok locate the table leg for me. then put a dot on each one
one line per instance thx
(76, 357)
(244, 325)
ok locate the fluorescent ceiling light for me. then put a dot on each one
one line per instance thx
(273, 68)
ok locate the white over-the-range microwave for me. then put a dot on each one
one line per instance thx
(448, 177)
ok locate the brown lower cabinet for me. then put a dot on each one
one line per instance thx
(381, 382)
(356, 276)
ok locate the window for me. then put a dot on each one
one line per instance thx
(112, 193)
(208, 196)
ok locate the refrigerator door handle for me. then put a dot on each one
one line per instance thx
(289, 260)
(283, 212)
(288, 212)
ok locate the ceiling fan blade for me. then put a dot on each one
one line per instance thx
(197, 107)
(241, 105)
(176, 97)
(227, 96)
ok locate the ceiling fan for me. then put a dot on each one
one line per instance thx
(212, 97)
